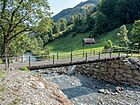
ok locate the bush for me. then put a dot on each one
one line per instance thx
(108, 44)
(25, 69)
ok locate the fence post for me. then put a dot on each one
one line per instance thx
(86, 57)
(91, 51)
(57, 56)
(29, 61)
(22, 59)
(94, 52)
(131, 53)
(119, 54)
(8, 63)
(53, 59)
(71, 57)
(83, 53)
(99, 55)
(110, 54)
(127, 53)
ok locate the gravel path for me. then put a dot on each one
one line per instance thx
(83, 90)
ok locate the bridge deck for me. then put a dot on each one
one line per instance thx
(64, 62)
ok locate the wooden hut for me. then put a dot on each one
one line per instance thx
(88, 41)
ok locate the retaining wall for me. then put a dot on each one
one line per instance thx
(122, 71)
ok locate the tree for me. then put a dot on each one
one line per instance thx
(122, 35)
(56, 28)
(62, 26)
(18, 17)
(136, 33)
(40, 42)
(19, 45)
(101, 23)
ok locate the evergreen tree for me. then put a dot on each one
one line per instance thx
(101, 23)
(136, 33)
(122, 35)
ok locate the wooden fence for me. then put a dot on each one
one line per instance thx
(66, 57)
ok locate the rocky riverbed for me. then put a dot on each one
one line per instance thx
(84, 90)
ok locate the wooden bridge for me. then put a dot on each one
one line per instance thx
(71, 59)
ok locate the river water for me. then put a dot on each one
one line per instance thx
(26, 57)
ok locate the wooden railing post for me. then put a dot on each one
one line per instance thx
(91, 51)
(53, 59)
(22, 59)
(57, 56)
(83, 53)
(127, 53)
(99, 55)
(86, 57)
(29, 61)
(110, 54)
(131, 53)
(8, 62)
(94, 52)
(119, 54)
(71, 57)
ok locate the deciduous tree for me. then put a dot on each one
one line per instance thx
(20, 16)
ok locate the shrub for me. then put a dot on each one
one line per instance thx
(25, 69)
(108, 44)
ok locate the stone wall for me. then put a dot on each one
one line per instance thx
(122, 71)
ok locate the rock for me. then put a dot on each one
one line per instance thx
(127, 75)
(111, 71)
(134, 67)
(128, 72)
(41, 85)
(138, 63)
(133, 60)
(128, 64)
(119, 89)
(104, 91)
(136, 73)
(137, 78)
(12, 68)
(120, 70)
(118, 77)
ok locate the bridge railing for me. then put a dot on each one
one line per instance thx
(65, 57)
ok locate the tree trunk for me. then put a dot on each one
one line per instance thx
(4, 55)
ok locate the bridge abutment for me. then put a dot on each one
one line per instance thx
(121, 71)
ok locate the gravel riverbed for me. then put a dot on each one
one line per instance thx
(84, 90)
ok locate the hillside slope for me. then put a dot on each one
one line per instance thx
(70, 42)
(80, 8)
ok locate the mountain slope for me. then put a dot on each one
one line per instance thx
(80, 8)
(70, 42)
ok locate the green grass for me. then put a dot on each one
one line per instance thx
(24, 69)
(69, 43)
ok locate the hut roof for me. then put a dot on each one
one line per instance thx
(89, 40)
